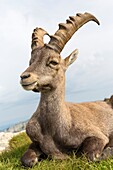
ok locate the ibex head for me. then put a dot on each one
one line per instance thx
(46, 69)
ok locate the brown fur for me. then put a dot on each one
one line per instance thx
(58, 126)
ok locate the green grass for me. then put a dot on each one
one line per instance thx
(10, 160)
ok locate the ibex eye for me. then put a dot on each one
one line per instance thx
(53, 63)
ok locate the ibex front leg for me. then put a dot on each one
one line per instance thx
(49, 148)
(30, 157)
(94, 146)
(33, 153)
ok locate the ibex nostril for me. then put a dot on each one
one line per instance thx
(25, 75)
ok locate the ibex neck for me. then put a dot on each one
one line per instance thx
(53, 109)
(55, 96)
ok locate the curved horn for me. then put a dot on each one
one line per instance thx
(65, 31)
(37, 38)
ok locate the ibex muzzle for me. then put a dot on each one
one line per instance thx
(58, 127)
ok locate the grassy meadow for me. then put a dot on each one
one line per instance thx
(10, 160)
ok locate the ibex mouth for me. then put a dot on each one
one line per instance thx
(28, 85)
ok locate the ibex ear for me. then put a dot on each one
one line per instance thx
(71, 58)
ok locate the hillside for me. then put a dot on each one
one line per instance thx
(17, 127)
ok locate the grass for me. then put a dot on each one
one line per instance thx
(10, 160)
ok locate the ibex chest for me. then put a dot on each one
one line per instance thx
(61, 129)
(59, 126)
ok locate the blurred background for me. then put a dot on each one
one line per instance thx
(90, 78)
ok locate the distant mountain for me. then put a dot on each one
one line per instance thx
(17, 127)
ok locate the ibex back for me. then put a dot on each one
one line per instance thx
(58, 127)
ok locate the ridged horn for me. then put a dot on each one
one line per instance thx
(37, 38)
(65, 31)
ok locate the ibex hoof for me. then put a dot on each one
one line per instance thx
(93, 156)
(29, 159)
(106, 153)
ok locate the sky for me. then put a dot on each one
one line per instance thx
(90, 78)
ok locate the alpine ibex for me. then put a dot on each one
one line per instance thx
(58, 127)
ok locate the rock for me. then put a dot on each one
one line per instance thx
(9, 133)
(17, 127)
(4, 140)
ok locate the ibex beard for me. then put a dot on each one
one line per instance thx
(58, 127)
